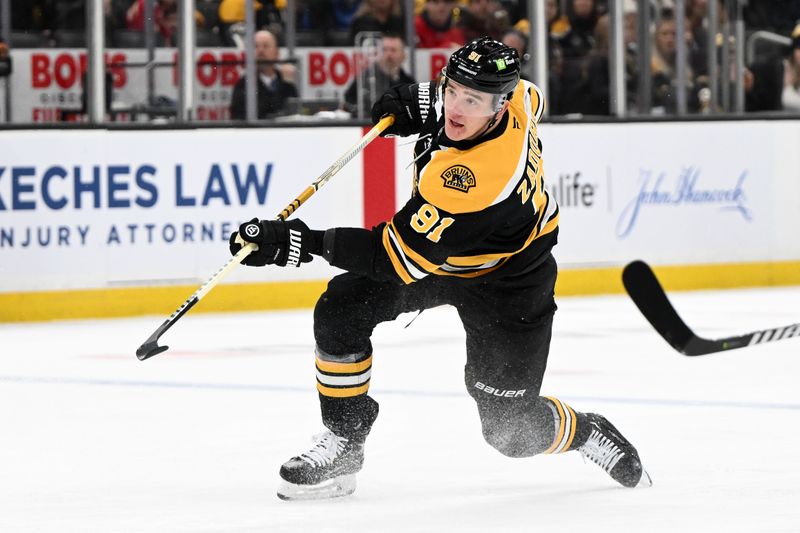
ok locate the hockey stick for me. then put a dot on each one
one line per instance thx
(150, 347)
(647, 293)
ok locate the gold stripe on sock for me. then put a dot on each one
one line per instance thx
(571, 429)
(344, 392)
(344, 368)
(560, 433)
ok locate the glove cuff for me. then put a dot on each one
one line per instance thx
(315, 242)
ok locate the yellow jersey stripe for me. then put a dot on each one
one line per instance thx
(396, 263)
(472, 260)
(538, 108)
(477, 260)
(469, 274)
(410, 253)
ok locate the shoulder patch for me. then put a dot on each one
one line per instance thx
(459, 177)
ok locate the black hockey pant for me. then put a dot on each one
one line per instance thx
(508, 329)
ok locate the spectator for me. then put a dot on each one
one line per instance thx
(165, 17)
(134, 17)
(381, 16)
(772, 15)
(344, 11)
(630, 39)
(558, 25)
(578, 41)
(5, 60)
(575, 46)
(517, 10)
(663, 69)
(32, 15)
(70, 14)
(326, 14)
(791, 77)
(598, 75)
(763, 84)
(483, 18)
(116, 13)
(388, 73)
(272, 90)
(435, 28)
(557, 22)
(697, 35)
(519, 42)
(232, 15)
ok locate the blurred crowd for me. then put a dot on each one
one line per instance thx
(577, 44)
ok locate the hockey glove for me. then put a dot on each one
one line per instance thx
(397, 101)
(279, 243)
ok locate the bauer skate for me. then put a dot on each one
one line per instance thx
(327, 470)
(613, 453)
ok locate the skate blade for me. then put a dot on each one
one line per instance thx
(645, 480)
(333, 488)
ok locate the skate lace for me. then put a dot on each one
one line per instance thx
(327, 447)
(601, 450)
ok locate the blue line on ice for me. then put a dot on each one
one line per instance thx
(393, 392)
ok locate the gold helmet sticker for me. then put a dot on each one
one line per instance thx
(474, 56)
(459, 177)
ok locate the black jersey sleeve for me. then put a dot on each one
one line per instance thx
(359, 251)
(419, 240)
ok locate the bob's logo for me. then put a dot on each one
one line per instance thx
(459, 177)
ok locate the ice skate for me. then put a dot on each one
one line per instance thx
(613, 453)
(327, 470)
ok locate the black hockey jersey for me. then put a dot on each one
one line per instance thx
(479, 208)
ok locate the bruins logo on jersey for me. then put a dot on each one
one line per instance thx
(459, 177)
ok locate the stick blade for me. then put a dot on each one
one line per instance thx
(646, 292)
(149, 349)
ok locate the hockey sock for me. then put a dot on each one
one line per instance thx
(571, 427)
(343, 382)
(343, 376)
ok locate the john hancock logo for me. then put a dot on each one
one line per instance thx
(459, 177)
(686, 191)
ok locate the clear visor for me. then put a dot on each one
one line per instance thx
(464, 101)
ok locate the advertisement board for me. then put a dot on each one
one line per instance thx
(96, 209)
(48, 83)
(665, 192)
(93, 209)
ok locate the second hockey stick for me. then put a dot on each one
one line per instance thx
(150, 347)
(647, 293)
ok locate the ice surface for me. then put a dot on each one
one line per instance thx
(91, 439)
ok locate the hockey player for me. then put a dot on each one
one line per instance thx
(477, 234)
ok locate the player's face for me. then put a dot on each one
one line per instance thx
(466, 111)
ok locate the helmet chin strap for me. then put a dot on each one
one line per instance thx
(489, 125)
(493, 120)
